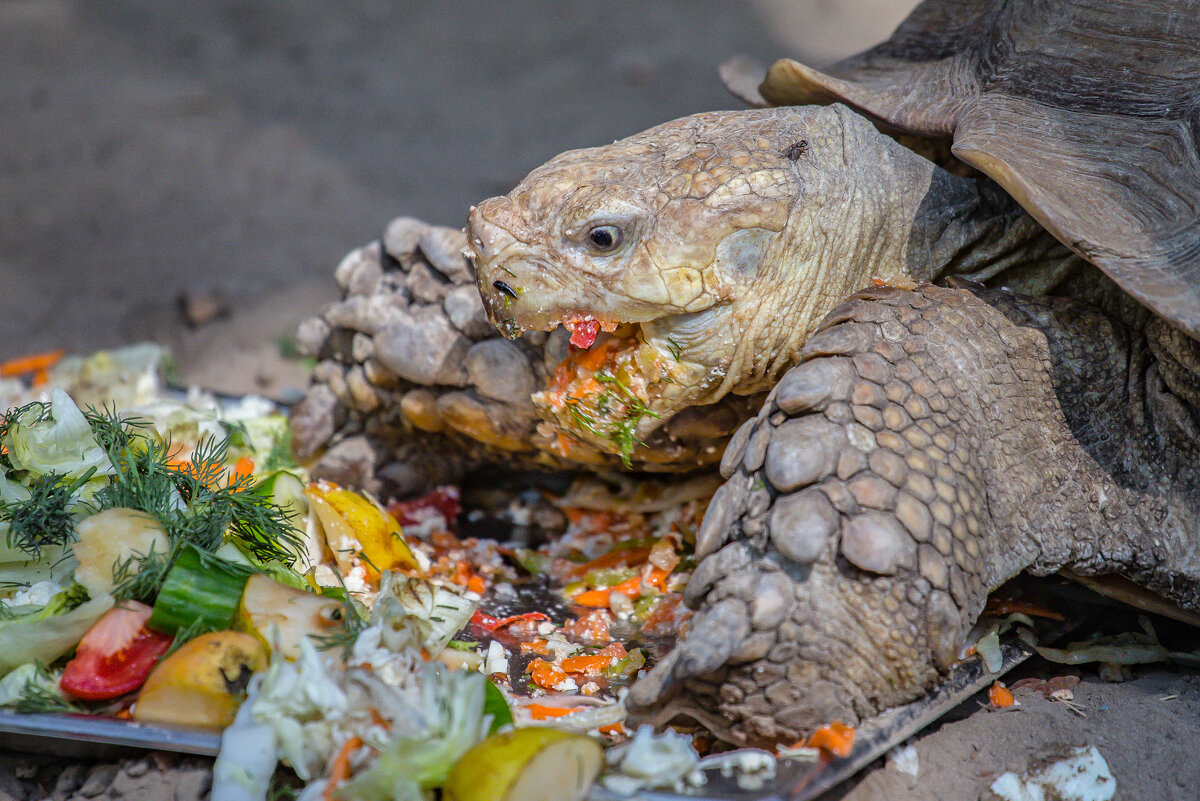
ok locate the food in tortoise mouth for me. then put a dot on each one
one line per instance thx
(920, 444)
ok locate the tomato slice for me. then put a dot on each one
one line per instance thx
(115, 656)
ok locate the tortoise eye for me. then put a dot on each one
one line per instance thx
(605, 238)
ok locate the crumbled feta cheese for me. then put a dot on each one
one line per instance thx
(38, 594)
(497, 659)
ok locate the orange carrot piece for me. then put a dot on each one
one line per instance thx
(612, 728)
(241, 468)
(837, 738)
(594, 664)
(619, 558)
(596, 599)
(341, 768)
(30, 364)
(477, 585)
(546, 675)
(1000, 696)
(542, 712)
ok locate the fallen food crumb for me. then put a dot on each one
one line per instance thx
(1082, 775)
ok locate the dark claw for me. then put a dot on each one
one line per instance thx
(506, 289)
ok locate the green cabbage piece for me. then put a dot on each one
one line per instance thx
(63, 444)
(45, 634)
(452, 706)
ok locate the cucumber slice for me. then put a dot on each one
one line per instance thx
(200, 593)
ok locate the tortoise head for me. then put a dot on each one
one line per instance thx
(689, 261)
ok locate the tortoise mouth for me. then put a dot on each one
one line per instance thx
(610, 391)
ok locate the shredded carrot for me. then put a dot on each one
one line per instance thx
(542, 712)
(477, 585)
(1000, 696)
(34, 363)
(837, 738)
(612, 728)
(592, 628)
(341, 768)
(537, 646)
(618, 558)
(632, 588)
(594, 664)
(545, 674)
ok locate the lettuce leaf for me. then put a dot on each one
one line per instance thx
(452, 705)
(45, 634)
(62, 443)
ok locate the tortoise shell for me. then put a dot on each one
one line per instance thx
(1086, 112)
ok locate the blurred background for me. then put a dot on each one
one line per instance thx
(191, 172)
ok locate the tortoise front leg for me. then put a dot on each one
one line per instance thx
(931, 445)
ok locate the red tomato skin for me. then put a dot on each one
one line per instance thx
(97, 674)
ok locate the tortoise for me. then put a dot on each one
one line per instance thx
(1016, 184)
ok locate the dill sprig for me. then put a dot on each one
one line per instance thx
(38, 695)
(138, 577)
(45, 518)
(194, 501)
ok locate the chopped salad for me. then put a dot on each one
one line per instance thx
(170, 564)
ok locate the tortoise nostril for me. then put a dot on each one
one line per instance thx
(506, 289)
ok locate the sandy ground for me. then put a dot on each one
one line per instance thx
(235, 150)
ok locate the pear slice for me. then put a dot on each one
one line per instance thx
(532, 764)
(294, 613)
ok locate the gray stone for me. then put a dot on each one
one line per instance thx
(193, 785)
(360, 271)
(802, 524)
(367, 313)
(402, 237)
(98, 781)
(362, 347)
(426, 285)
(718, 519)
(464, 307)
(499, 370)
(423, 348)
(70, 780)
(311, 337)
(444, 249)
(558, 346)
(772, 602)
(350, 463)
(364, 396)
(313, 421)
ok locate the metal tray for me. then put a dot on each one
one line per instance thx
(89, 737)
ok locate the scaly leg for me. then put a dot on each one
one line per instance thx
(931, 445)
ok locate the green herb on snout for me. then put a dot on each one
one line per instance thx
(675, 348)
(624, 431)
(510, 272)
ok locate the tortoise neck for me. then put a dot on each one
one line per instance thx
(969, 227)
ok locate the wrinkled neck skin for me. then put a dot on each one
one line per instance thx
(885, 214)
